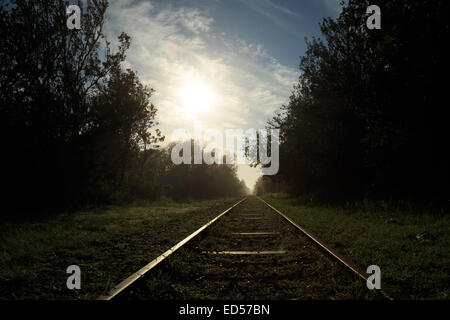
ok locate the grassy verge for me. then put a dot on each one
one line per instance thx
(107, 243)
(419, 268)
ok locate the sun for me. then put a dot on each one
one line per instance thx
(196, 98)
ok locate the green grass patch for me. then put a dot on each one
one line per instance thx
(108, 244)
(418, 268)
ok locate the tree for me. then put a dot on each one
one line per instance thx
(61, 93)
(365, 119)
(200, 181)
(122, 119)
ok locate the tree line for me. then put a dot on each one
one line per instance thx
(76, 127)
(367, 118)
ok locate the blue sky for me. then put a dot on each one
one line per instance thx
(243, 54)
(279, 25)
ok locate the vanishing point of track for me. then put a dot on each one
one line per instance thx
(250, 251)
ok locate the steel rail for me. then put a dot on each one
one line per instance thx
(141, 272)
(386, 291)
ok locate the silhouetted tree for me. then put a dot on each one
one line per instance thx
(71, 119)
(199, 181)
(267, 184)
(366, 118)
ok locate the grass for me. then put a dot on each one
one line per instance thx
(418, 268)
(107, 243)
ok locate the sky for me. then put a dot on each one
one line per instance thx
(223, 64)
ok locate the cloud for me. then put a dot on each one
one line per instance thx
(191, 19)
(267, 7)
(274, 12)
(172, 46)
(333, 6)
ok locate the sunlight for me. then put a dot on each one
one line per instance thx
(196, 98)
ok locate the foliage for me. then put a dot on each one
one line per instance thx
(202, 180)
(366, 117)
(266, 185)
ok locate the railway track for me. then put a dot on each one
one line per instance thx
(249, 251)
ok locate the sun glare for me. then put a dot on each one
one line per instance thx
(196, 98)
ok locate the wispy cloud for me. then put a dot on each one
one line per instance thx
(266, 6)
(274, 12)
(333, 6)
(192, 19)
(172, 46)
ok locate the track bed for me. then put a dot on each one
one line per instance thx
(250, 253)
